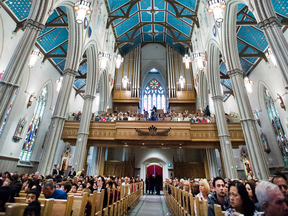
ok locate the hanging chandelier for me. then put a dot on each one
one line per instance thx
(217, 7)
(104, 58)
(35, 55)
(182, 81)
(82, 8)
(248, 85)
(199, 57)
(186, 60)
(271, 56)
(125, 81)
(118, 60)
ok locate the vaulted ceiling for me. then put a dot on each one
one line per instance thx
(146, 21)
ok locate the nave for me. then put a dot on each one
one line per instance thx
(150, 205)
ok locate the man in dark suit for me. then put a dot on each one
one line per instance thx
(56, 171)
(72, 173)
(151, 184)
(158, 182)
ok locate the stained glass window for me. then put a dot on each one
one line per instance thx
(34, 126)
(277, 125)
(155, 93)
(9, 109)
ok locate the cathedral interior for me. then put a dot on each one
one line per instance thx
(129, 87)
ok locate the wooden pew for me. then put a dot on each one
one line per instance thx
(97, 202)
(218, 210)
(63, 207)
(79, 204)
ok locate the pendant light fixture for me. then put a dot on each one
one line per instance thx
(118, 60)
(35, 55)
(217, 7)
(82, 9)
(199, 57)
(104, 58)
(186, 60)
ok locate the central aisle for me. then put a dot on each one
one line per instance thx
(150, 205)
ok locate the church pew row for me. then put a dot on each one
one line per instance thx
(76, 203)
(184, 204)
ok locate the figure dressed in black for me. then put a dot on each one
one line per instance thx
(151, 184)
(158, 183)
(153, 114)
(147, 183)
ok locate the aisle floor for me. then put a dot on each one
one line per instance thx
(150, 205)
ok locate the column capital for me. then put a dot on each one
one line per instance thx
(70, 72)
(235, 72)
(34, 25)
(89, 97)
(269, 22)
(217, 97)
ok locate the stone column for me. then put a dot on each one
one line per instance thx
(228, 165)
(99, 161)
(223, 132)
(83, 133)
(71, 69)
(11, 78)
(212, 162)
(234, 70)
(269, 23)
(222, 163)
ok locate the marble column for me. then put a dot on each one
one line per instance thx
(74, 55)
(269, 23)
(223, 132)
(212, 162)
(234, 70)
(83, 133)
(10, 81)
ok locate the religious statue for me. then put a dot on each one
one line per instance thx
(19, 129)
(282, 105)
(31, 100)
(58, 83)
(265, 143)
(1, 74)
(256, 115)
(249, 170)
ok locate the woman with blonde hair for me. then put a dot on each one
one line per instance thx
(204, 189)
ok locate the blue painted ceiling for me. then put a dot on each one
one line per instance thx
(158, 13)
(53, 41)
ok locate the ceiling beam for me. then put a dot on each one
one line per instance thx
(225, 76)
(56, 25)
(49, 55)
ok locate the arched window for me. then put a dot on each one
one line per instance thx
(34, 126)
(277, 126)
(153, 95)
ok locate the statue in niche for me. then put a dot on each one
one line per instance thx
(265, 143)
(249, 170)
(31, 100)
(1, 74)
(282, 105)
(19, 129)
(257, 118)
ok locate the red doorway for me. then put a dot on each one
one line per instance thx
(153, 169)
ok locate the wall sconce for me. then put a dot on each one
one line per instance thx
(104, 58)
(125, 81)
(82, 8)
(186, 60)
(35, 55)
(182, 81)
(271, 56)
(199, 57)
(118, 60)
(248, 85)
(217, 7)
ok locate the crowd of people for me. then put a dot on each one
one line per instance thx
(153, 115)
(57, 186)
(247, 197)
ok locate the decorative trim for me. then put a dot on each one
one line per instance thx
(217, 97)
(235, 72)
(9, 158)
(9, 83)
(152, 132)
(267, 23)
(34, 25)
(89, 97)
(70, 72)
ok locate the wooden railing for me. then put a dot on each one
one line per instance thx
(127, 196)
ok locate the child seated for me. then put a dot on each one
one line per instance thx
(32, 196)
(33, 208)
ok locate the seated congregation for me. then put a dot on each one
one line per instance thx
(229, 197)
(73, 195)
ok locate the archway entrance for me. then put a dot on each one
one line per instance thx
(154, 169)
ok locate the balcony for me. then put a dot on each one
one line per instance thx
(180, 135)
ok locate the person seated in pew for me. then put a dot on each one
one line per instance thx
(81, 187)
(111, 186)
(218, 197)
(50, 192)
(88, 207)
(5, 192)
(204, 190)
(33, 209)
(66, 187)
(74, 188)
(101, 186)
(32, 196)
